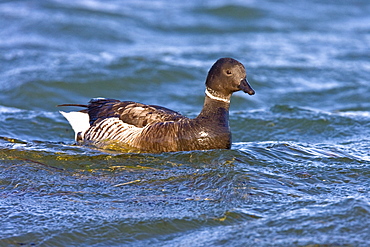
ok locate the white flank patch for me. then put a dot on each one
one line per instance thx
(203, 134)
(113, 129)
(79, 121)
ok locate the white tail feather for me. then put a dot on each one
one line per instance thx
(79, 121)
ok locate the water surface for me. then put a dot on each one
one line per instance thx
(298, 173)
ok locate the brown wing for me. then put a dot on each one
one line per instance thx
(130, 112)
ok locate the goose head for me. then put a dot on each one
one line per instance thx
(225, 77)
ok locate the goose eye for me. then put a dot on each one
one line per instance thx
(228, 72)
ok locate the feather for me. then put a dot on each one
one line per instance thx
(79, 122)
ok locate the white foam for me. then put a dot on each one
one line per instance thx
(5, 109)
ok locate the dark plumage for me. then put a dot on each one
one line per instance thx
(158, 129)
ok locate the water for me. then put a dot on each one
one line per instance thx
(298, 173)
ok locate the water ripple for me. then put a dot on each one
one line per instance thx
(298, 171)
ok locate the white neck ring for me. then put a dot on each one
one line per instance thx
(210, 95)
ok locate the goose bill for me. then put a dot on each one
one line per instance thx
(244, 85)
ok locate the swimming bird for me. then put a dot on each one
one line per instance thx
(152, 128)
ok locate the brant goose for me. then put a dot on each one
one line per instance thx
(151, 128)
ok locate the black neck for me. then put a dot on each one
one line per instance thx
(215, 111)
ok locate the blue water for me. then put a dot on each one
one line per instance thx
(298, 173)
